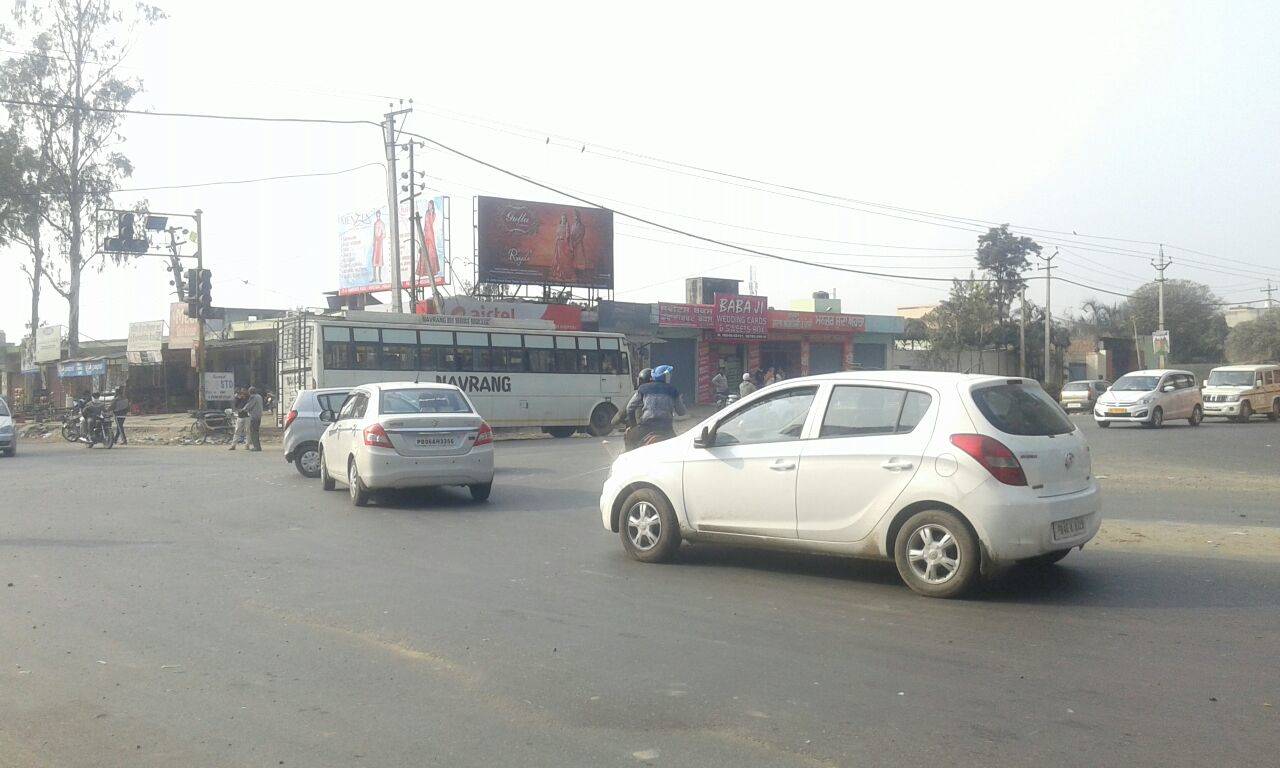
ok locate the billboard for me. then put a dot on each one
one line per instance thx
(145, 342)
(523, 242)
(365, 252)
(48, 343)
(183, 330)
(734, 316)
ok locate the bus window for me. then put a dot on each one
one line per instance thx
(337, 348)
(610, 361)
(399, 350)
(566, 360)
(365, 349)
(436, 352)
(566, 342)
(589, 362)
(508, 357)
(587, 342)
(542, 361)
(609, 344)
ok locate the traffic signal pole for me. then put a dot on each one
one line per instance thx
(200, 318)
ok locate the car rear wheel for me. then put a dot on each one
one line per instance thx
(1197, 416)
(648, 526)
(359, 494)
(1275, 411)
(481, 491)
(1047, 559)
(602, 420)
(937, 554)
(307, 460)
(1246, 411)
(326, 480)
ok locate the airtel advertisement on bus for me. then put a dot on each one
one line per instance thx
(532, 243)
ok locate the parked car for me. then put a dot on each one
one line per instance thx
(1239, 391)
(302, 426)
(1082, 395)
(8, 431)
(943, 473)
(1151, 398)
(406, 435)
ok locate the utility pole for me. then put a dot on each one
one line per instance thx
(1022, 332)
(1269, 290)
(415, 227)
(200, 318)
(1161, 266)
(1048, 314)
(393, 203)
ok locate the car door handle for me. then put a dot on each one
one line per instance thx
(782, 466)
(897, 465)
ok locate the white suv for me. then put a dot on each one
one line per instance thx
(1151, 398)
(942, 472)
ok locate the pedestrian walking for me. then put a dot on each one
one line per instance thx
(241, 434)
(254, 410)
(120, 409)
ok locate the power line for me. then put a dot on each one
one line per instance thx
(227, 182)
(196, 115)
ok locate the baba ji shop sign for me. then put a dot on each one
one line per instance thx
(734, 316)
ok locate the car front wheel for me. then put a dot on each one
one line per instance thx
(937, 554)
(1157, 419)
(1197, 416)
(326, 480)
(648, 526)
(1246, 412)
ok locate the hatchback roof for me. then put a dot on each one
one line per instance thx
(1247, 367)
(934, 378)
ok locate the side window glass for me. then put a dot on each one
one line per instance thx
(855, 411)
(777, 418)
(361, 405)
(349, 407)
(913, 411)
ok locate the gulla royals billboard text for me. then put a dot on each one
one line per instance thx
(528, 243)
(364, 248)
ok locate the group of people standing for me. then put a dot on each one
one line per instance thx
(751, 381)
(247, 409)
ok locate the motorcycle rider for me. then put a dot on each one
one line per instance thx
(654, 407)
(631, 434)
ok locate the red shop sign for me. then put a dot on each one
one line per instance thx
(740, 317)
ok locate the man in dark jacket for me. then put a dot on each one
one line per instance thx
(655, 405)
(254, 409)
(120, 409)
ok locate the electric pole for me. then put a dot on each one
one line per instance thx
(1269, 290)
(1022, 331)
(1161, 266)
(200, 317)
(414, 226)
(393, 203)
(1048, 314)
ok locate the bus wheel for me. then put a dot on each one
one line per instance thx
(602, 420)
(559, 431)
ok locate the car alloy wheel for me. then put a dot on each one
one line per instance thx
(933, 554)
(644, 526)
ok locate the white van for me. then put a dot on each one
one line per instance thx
(1239, 391)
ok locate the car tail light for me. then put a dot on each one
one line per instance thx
(994, 456)
(377, 436)
(289, 419)
(485, 437)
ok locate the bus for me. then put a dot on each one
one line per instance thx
(518, 373)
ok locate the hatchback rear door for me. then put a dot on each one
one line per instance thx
(1052, 452)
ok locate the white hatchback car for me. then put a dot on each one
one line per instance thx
(406, 435)
(944, 473)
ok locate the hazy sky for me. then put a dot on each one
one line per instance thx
(1146, 121)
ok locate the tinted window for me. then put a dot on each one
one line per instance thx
(337, 348)
(427, 400)
(542, 360)
(862, 411)
(508, 359)
(1075, 386)
(331, 402)
(1018, 409)
(399, 350)
(776, 418)
(352, 408)
(474, 358)
(566, 361)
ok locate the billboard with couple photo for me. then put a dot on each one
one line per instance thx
(532, 243)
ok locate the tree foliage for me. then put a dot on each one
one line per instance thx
(70, 79)
(1255, 341)
(1193, 317)
(1004, 257)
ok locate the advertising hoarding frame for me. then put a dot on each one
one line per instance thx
(594, 290)
(408, 230)
(48, 343)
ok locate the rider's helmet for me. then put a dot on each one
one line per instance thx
(663, 372)
(646, 375)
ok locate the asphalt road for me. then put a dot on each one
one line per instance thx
(195, 607)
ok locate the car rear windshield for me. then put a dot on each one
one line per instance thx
(1076, 386)
(1018, 409)
(423, 401)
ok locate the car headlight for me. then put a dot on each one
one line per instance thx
(6, 430)
(1233, 398)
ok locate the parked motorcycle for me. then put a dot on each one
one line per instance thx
(72, 430)
(99, 423)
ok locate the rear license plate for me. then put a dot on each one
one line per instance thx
(1117, 412)
(435, 441)
(1066, 529)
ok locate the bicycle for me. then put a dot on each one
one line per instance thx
(213, 427)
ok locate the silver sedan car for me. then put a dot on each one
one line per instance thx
(406, 435)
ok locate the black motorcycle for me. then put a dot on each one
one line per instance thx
(98, 424)
(72, 423)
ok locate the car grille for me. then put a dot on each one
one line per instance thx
(1217, 398)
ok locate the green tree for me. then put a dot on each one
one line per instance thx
(70, 77)
(1005, 257)
(1192, 315)
(1256, 340)
(966, 321)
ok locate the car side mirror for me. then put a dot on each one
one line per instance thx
(1205, 382)
(328, 417)
(706, 439)
(1168, 388)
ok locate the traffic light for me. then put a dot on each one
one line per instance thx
(126, 239)
(204, 293)
(193, 292)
